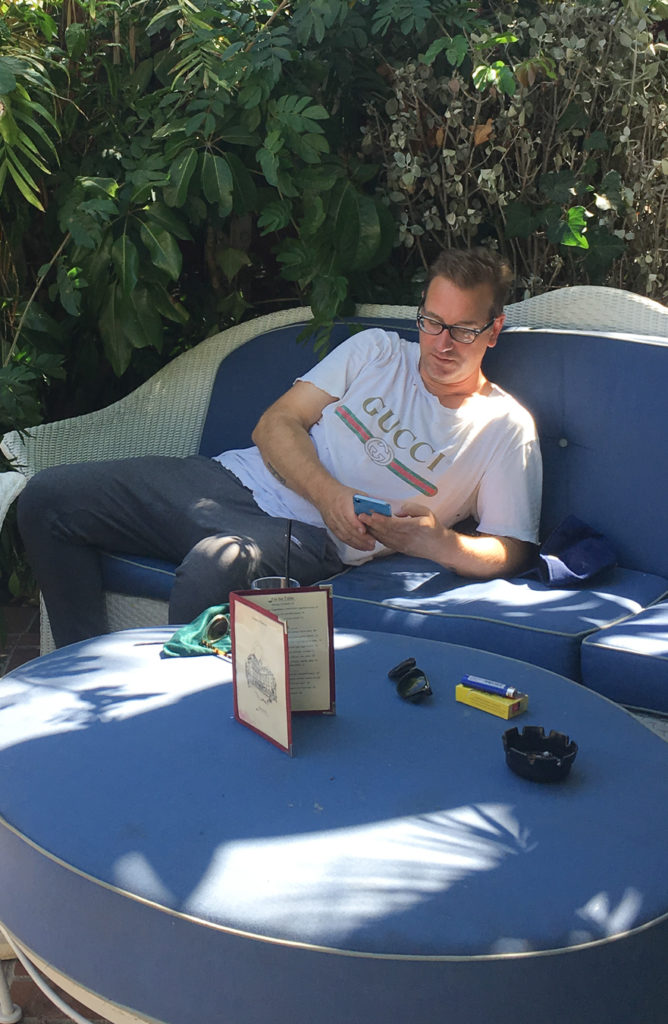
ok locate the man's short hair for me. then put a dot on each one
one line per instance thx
(468, 268)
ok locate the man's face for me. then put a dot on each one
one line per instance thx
(449, 367)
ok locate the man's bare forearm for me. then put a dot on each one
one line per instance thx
(290, 456)
(483, 557)
(416, 531)
(282, 436)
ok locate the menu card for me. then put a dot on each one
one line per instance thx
(282, 658)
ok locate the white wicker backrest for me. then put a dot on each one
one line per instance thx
(593, 310)
(590, 309)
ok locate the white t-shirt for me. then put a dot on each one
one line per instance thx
(387, 436)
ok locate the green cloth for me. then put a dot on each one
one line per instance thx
(187, 641)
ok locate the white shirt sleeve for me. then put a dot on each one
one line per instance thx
(345, 363)
(509, 495)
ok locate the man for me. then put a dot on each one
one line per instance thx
(419, 426)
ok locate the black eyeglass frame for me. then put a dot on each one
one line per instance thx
(475, 331)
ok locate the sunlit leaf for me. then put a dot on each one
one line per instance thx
(23, 180)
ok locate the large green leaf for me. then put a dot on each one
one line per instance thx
(10, 67)
(143, 320)
(231, 261)
(327, 295)
(604, 249)
(345, 215)
(9, 130)
(274, 216)
(217, 182)
(163, 249)
(269, 163)
(519, 219)
(111, 325)
(23, 180)
(180, 173)
(167, 306)
(244, 191)
(370, 234)
(557, 185)
(126, 261)
(162, 217)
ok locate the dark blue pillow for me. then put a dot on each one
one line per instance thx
(572, 554)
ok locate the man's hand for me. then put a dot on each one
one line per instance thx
(414, 530)
(336, 508)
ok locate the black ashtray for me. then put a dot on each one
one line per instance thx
(533, 755)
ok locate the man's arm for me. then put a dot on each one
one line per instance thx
(416, 531)
(282, 436)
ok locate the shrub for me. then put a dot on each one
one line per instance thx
(544, 135)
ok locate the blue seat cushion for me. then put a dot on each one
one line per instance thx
(628, 661)
(137, 575)
(518, 617)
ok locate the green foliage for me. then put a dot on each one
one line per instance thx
(167, 168)
(25, 146)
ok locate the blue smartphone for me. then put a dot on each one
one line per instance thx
(362, 503)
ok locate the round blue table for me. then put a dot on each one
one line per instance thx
(166, 859)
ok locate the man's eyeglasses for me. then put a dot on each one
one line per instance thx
(464, 335)
(412, 683)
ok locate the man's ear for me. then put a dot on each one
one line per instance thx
(496, 329)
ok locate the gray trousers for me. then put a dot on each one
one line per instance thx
(190, 511)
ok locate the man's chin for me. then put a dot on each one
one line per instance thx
(443, 373)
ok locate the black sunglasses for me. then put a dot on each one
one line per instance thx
(412, 683)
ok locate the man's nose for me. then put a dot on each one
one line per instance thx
(444, 341)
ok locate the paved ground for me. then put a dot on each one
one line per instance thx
(19, 642)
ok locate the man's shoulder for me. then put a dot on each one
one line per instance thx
(511, 408)
(370, 347)
(376, 337)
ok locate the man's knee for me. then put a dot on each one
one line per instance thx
(220, 558)
(210, 570)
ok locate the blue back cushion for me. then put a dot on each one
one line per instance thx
(600, 408)
(255, 375)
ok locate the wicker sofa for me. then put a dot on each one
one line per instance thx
(589, 362)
